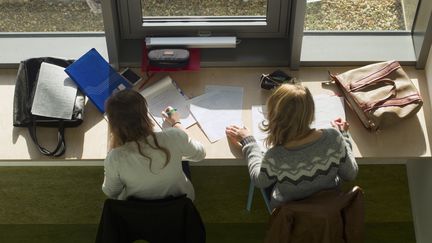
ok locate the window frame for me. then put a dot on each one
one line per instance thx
(281, 49)
(339, 52)
(272, 25)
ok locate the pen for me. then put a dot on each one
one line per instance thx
(170, 111)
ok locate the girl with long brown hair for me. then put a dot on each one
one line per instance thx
(143, 163)
(300, 161)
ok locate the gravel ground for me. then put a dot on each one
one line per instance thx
(355, 15)
(45, 15)
(204, 7)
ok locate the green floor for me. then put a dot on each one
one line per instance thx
(63, 204)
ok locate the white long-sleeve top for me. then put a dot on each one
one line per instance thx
(128, 173)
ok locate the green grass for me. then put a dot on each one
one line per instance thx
(63, 204)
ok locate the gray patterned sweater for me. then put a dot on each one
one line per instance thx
(300, 172)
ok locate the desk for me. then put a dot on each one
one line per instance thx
(407, 141)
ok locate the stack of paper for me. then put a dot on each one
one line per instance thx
(217, 108)
(165, 93)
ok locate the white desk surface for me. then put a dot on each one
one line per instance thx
(408, 140)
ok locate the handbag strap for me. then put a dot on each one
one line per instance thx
(414, 98)
(390, 94)
(377, 75)
(373, 82)
(61, 144)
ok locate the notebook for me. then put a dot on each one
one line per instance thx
(55, 93)
(96, 78)
(162, 94)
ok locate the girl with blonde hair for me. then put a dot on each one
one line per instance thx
(143, 163)
(301, 160)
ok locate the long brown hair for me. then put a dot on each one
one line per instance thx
(290, 113)
(129, 121)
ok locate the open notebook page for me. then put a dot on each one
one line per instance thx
(165, 93)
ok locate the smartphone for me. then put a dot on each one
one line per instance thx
(131, 76)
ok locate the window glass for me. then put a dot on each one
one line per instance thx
(186, 8)
(242, 18)
(362, 15)
(50, 16)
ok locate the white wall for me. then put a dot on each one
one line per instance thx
(428, 69)
(420, 183)
(428, 72)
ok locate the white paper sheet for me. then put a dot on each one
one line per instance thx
(258, 116)
(165, 93)
(217, 109)
(327, 108)
(55, 93)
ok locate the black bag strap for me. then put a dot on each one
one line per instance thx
(61, 144)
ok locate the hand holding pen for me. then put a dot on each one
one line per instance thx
(340, 124)
(171, 116)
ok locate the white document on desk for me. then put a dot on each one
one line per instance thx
(55, 93)
(327, 108)
(258, 116)
(220, 107)
(165, 93)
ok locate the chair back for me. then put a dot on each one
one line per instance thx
(329, 216)
(155, 221)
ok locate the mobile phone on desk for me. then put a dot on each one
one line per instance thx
(131, 76)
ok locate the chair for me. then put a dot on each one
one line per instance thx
(329, 216)
(156, 221)
(250, 198)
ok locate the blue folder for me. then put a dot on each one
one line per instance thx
(96, 78)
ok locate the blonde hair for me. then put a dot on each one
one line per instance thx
(129, 121)
(290, 112)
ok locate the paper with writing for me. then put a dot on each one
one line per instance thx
(327, 108)
(165, 93)
(258, 116)
(55, 93)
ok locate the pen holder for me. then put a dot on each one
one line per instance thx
(169, 58)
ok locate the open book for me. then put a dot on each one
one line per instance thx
(162, 94)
